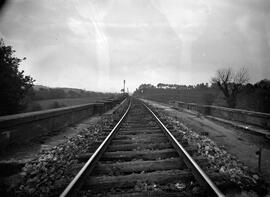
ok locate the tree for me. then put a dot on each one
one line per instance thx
(13, 84)
(231, 83)
(146, 86)
(160, 85)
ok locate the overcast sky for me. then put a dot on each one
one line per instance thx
(95, 45)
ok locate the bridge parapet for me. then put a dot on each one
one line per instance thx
(247, 117)
(21, 128)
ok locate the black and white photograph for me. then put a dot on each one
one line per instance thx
(134, 98)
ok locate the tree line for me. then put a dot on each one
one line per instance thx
(231, 94)
(174, 86)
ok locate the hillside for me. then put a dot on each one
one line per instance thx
(42, 97)
(40, 92)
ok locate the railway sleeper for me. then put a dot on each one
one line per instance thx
(129, 181)
(140, 154)
(143, 166)
(123, 136)
(148, 131)
(143, 129)
(136, 116)
(134, 147)
(134, 155)
(151, 194)
(150, 123)
(140, 123)
(144, 136)
(131, 132)
(147, 140)
(131, 147)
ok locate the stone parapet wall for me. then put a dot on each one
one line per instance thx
(248, 117)
(21, 128)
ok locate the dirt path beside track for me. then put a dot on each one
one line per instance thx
(236, 142)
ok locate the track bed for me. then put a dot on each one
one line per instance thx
(140, 160)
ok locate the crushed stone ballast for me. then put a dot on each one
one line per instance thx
(139, 157)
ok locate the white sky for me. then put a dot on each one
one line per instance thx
(95, 45)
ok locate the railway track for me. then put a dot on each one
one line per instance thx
(141, 157)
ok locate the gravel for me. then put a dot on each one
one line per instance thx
(237, 173)
(52, 169)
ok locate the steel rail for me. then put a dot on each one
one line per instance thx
(77, 182)
(199, 174)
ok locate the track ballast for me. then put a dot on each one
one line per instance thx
(139, 158)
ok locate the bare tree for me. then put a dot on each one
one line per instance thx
(231, 83)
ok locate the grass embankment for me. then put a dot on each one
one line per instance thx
(61, 102)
